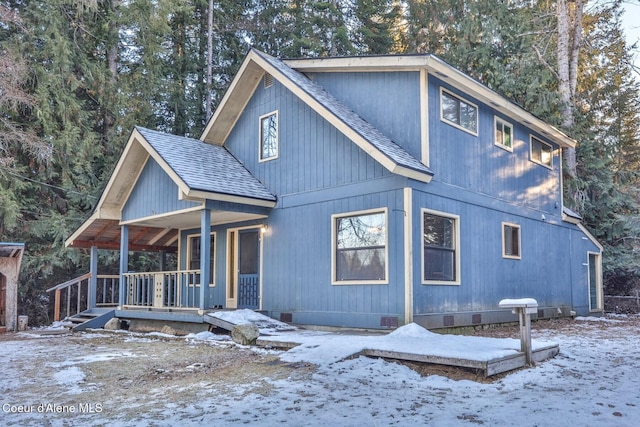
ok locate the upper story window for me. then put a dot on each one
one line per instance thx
(503, 136)
(541, 152)
(458, 112)
(269, 136)
(360, 247)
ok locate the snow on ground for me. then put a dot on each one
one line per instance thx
(594, 381)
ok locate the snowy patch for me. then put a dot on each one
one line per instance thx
(265, 324)
(70, 378)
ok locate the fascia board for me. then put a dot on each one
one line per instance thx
(233, 102)
(443, 71)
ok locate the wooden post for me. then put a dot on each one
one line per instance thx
(523, 308)
(56, 308)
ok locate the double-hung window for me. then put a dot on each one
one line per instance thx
(541, 152)
(503, 136)
(269, 136)
(440, 248)
(360, 247)
(458, 112)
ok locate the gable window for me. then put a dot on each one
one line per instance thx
(511, 240)
(440, 242)
(503, 136)
(269, 136)
(458, 112)
(193, 255)
(541, 152)
(360, 247)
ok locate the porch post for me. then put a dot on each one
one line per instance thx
(205, 256)
(124, 262)
(93, 280)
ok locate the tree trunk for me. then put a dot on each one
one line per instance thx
(569, 38)
(209, 60)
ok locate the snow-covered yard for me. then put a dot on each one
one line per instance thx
(100, 378)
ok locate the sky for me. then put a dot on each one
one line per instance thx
(631, 25)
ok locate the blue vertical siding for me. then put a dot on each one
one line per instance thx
(312, 153)
(550, 269)
(297, 272)
(390, 101)
(154, 193)
(475, 163)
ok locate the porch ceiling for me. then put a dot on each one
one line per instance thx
(160, 233)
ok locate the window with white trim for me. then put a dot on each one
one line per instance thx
(193, 255)
(511, 240)
(269, 136)
(360, 247)
(440, 242)
(503, 134)
(458, 112)
(541, 152)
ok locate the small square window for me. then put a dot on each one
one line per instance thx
(503, 136)
(511, 240)
(269, 136)
(541, 152)
(458, 112)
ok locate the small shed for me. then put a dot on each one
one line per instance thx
(10, 259)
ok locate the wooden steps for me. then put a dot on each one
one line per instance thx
(93, 319)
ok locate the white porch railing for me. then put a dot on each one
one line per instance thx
(162, 289)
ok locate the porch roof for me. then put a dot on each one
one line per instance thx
(11, 250)
(202, 172)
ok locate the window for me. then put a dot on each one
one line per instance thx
(269, 136)
(458, 112)
(193, 255)
(510, 240)
(503, 134)
(541, 152)
(360, 247)
(440, 242)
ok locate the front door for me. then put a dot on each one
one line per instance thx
(249, 269)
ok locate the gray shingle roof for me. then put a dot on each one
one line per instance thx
(205, 167)
(376, 138)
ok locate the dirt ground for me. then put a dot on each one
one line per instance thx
(134, 371)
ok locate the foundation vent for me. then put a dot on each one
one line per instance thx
(286, 317)
(448, 320)
(389, 322)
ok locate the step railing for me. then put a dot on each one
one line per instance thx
(77, 289)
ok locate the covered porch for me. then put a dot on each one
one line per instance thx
(165, 196)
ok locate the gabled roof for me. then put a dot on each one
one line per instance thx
(437, 67)
(204, 168)
(201, 172)
(389, 154)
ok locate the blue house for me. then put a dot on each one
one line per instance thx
(363, 192)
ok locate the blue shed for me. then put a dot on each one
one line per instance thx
(363, 192)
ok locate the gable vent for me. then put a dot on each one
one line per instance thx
(268, 80)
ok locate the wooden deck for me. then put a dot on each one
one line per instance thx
(489, 368)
